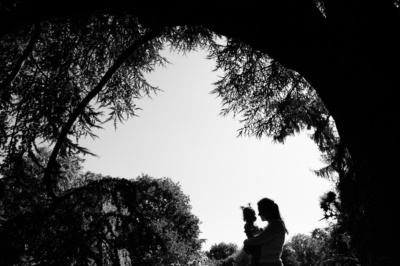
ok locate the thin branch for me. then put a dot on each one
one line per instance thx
(39, 68)
(28, 50)
(117, 64)
(34, 159)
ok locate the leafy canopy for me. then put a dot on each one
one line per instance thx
(68, 59)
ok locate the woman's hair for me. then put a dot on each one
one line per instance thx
(268, 205)
(249, 215)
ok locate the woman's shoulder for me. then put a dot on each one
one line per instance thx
(276, 221)
(276, 224)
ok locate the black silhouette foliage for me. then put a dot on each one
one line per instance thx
(221, 251)
(99, 220)
(54, 69)
(277, 102)
(325, 246)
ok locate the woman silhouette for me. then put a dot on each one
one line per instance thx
(272, 238)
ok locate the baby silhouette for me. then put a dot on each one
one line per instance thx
(251, 230)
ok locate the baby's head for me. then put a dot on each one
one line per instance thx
(249, 215)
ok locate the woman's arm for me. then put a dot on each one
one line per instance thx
(269, 233)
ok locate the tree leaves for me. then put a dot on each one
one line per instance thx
(73, 61)
(67, 61)
(273, 101)
(325, 246)
(98, 219)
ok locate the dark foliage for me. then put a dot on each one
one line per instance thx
(221, 251)
(59, 78)
(278, 102)
(273, 101)
(328, 246)
(98, 220)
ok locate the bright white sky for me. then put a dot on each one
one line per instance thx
(180, 134)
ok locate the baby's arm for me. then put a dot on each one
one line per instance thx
(248, 229)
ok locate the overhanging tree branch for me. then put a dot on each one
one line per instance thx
(74, 115)
(28, 50)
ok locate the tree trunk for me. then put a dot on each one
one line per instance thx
(351, 57)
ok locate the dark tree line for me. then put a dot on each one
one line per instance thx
(103, 221)
(324, 246)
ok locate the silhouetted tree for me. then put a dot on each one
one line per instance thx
(167, 212)
(241, 258)
(221, 251)
(289, 256)
(306, 249)
(323, 247)
(98, 221)
(76, 70)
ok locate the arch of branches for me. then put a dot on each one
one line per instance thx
(64, 64)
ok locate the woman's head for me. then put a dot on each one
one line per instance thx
(268, 209)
